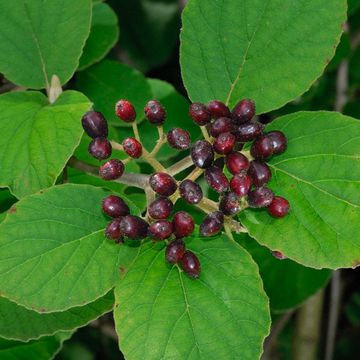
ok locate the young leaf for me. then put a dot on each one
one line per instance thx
(39, 39)
(319, 174)
(54, 254)
(37, 138)
(269, 51)
(163, 314)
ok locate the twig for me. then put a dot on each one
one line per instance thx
(180, 166)
(106, 329)
(136, 131)
(161, 141)
(205, 133)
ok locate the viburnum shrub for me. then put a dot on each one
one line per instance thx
(183, 215)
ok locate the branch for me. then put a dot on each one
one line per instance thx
(180, 166)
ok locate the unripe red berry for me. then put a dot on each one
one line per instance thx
(212, 224)
(111, 170)
(132, 147)
(218, 109)
(260, 197)
(100, 148)
(114, 206)
(160, 229)
(163, 183)
(200, 114)
(278, 141)
(243, 111)
(261, 148)
(248, 131)
(279, 207)
(240, 184)
(175, 251)
(220, 125)
(178, 139)
(237, 163)
(155, 112)
(259, 172)
(190, 264)
(202, 154)
(134, 227)
(190, 191)
(113, 231)
(125, 110)
(160, 208)
(183, 224)
(216, 179)
(94, 124)
(224, 143)
(229, 204)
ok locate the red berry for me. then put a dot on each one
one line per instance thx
(202, 154)
(190, 191)
(115, 206)
(220, 125)
(113, 231)
(278, 141)
(279, 255)
(229, 204)
(132, 147)
(111, 170)
(216, 179)
(190, 264)
(160, 208)
(125, 110)
(243, 111)
(224, 143)
(94, 124)
(261, 148)
(237, 163)
(260, 197)
(279, 207)
(160, 229)
(100, 148)
(212, 224)
(183, 224)
(240, 184)
(175, 251)
(155, 112)
(178, 139)
(248, 131)
(134, 227)
(199, 113)
(259, 172)
(163, 183)
(218, 109)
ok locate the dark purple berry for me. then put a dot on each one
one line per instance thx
(199, 113)
(190, 264)
(163, 183)
(237, 163)
(115, 206)
(132, 147)
(133, 227)
(111, 170)
(278, 141)
(113, 231)
(240, 184)
(243, 111)
(190, 191)
(220, 125)
(229, 204)
(261, 148)
(94, 124)
(218, 109)
(259, 172)
(224, 143)
(175, 251)
(202, 154)
(160, 229)
(212, 224)
(155, 112)
(100, 148)
(260, 197)
(216, 179)
(279, 207)
(178, 139)
(160, 208)
(248, 131)
(183, 224)
(125, 110)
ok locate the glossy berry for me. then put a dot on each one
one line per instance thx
(220, 125)
(279, 255)
(160, 229)
(133, 227)
(183, 224)
(125, 110)
(190, 264)
(261, 148)
(114, 206)
(175, 251)
(259, 172)
(113, 231)
(243, 111)
(155, 112)
(202, 154)
(190, 191)
(229, 204)
(216, 179)
(163, 183)
(100, 148)
(218, 109)
(240, 184)
(237, 163)
(212, 224)
(278, 141)
(160, 208)
(111, 170)
(178, 139)
(224, 143)
(279, 207)
(199, 113)
(94, 124)
(132, 147)
(260, 197)
(248, 131)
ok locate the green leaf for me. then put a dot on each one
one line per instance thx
(270, 51)
(103, 35)
(33, 325)
(37, 138)
(54, 254)
(107, 82)
(287, 283)
(163, 314)
(41, 38)
(319, 174)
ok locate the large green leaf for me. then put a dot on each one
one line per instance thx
(19, 323)
(37, 138)
(54, 254)
(162, 314)
(319, 174)
(267, 50)
(41, 38)
(103, 35)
